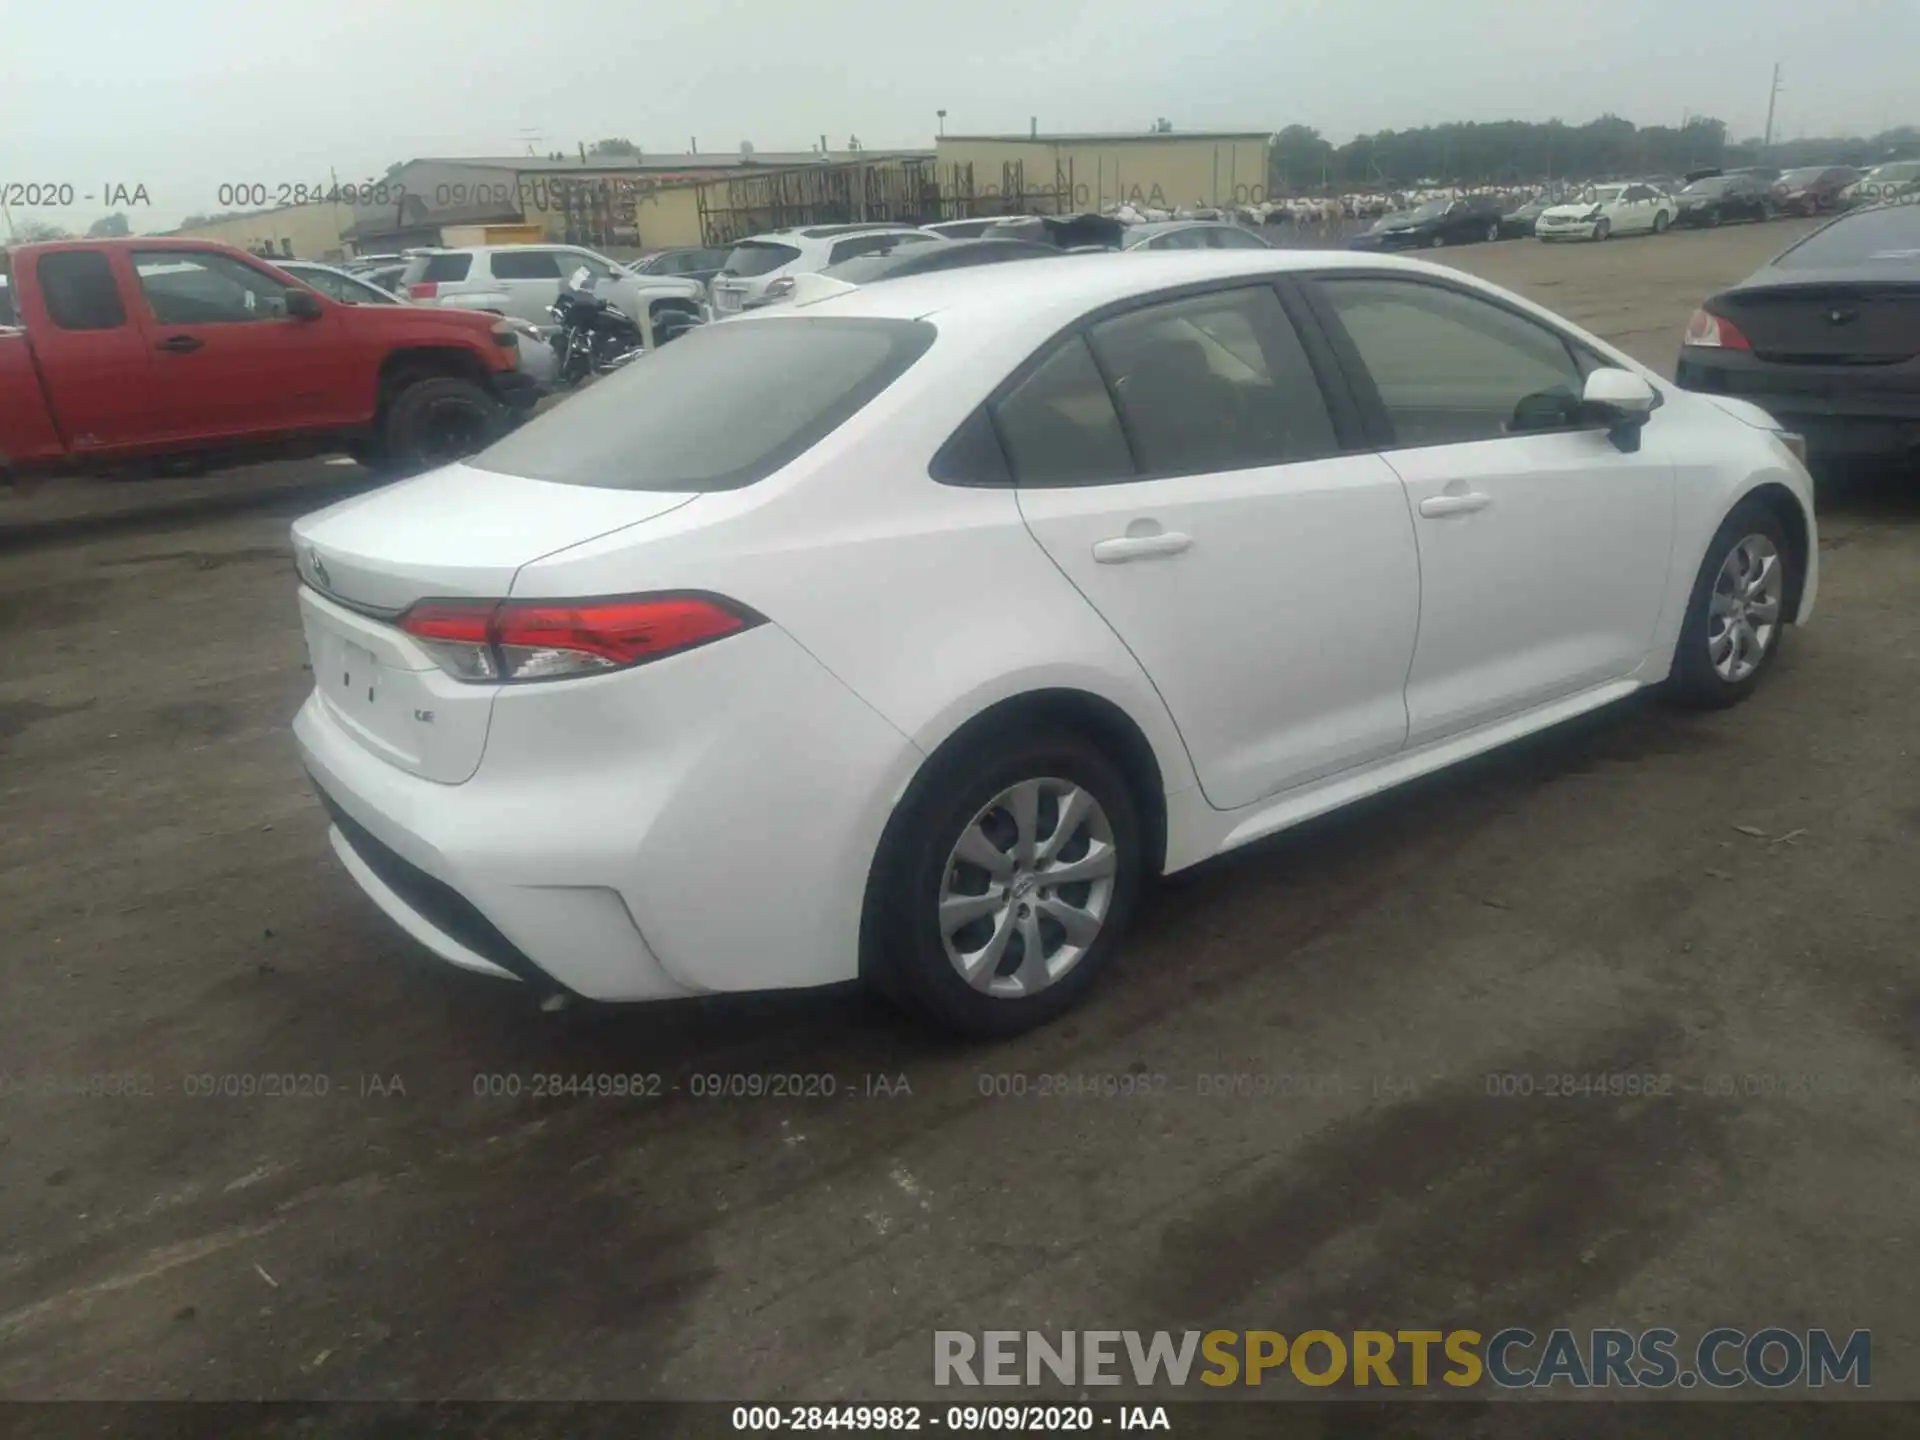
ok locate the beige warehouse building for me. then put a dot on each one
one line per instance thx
(1040, 172)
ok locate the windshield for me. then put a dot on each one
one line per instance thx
(1712, 185)
(1899, 170)
(720, 408)
(1802, 177)
(1600, 194)
(1887, 238)
(757, 257)
(1432, 210)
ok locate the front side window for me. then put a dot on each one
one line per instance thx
(190, 287)
(1215, 382)
(80, 290)
(1451, 368)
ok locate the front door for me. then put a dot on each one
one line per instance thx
(227, 360)
(1179, 464)
(1544, 549)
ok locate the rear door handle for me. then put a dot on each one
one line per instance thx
(1140, 547)
(180, 344)
(1440, 505)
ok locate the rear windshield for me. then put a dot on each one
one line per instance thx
(720, 408)
(440, 269)
(1886, 239)
(757, 257)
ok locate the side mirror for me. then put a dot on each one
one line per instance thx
(1620, 401)
(303, 305)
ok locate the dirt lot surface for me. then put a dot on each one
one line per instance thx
(1729, 901)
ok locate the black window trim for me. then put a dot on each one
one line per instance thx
(1351, 435)
(1378, 423)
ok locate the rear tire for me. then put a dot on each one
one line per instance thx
(1660, 222)
(961, 803)
(1721, 607)
(1493, 233)
(1437, 241)
(435, 420)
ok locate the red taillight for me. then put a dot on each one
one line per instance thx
(425, 290)
(1713, 333)
(489, 640)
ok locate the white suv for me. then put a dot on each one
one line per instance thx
(762, 269)
(523, 280)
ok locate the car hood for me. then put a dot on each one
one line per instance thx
(1570, 212)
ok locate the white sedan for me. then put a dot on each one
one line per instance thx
(1607, 210)
(908, 633)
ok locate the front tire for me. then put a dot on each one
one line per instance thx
(1736, 616)
(1660, 222)
(436, 420)
(1436, 241)
(1004, 883)
(1603, 230)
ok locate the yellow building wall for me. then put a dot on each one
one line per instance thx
(313, 230)
(1088, 174)
(668, 217)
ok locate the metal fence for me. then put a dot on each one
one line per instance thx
(891, 192)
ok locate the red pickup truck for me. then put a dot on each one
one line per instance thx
(146, 348)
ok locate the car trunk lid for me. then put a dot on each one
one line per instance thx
(454, 533)
(1828, 319)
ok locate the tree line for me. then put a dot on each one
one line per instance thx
(1516, 151)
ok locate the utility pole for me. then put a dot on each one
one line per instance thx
(1772, 96)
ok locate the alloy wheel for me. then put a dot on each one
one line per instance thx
(1027, 887)
(1743, 612)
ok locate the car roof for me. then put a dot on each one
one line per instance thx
(1040, 299)
(828, 232)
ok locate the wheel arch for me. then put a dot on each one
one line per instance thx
(403, 366)
(1786, 507)
(1101, 720)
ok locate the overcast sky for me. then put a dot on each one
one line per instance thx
(186, 95)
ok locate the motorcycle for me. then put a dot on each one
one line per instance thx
(597, 337)
(595, 334)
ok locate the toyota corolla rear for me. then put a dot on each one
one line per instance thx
(1827, 337)
(556, 719)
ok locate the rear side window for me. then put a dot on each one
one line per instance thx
(757, 257)
(1059, 425)
(1888, 240)
(529, 264)
(718, 409)
(80, 291)
(7, 316)
(1217, 382)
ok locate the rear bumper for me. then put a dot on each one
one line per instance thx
(706, 823)
(1841, 410)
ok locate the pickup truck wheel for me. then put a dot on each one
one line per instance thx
(436, 420)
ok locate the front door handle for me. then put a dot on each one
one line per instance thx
(180, 344)
(1140, 547)
(1439, 505)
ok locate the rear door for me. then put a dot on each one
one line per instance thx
(530, 278)
(1181, 465)
(94, 359)
(228, 362)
